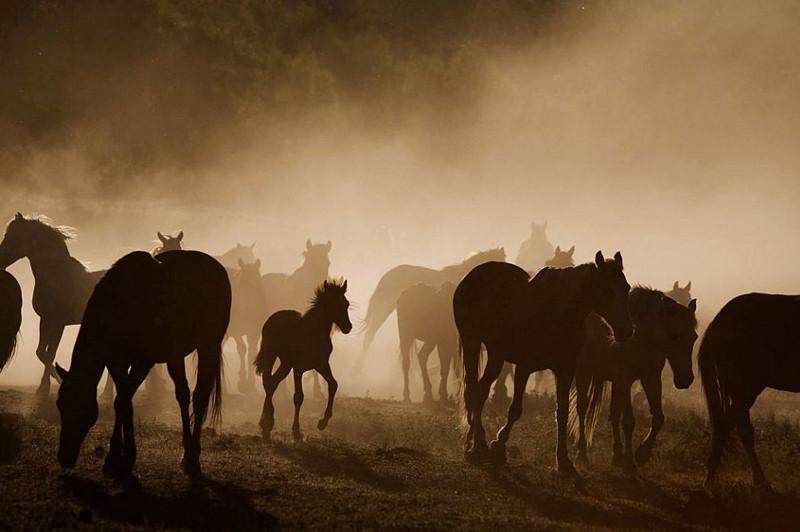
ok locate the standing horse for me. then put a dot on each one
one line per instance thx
(10, 316)
(147, 310)
(302, 342)
(534, 251)
(247, 313)
(384, 300)
(663, 331)
(425, 313)
(231, 258)
(681, 294)
(560, 259)
(535, 324)
(169, 243)
(753, 343)
(62, 283)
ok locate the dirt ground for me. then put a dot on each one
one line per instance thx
(381, 465)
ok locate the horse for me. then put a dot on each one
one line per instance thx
(560, 259)
(424, 313)
(751, 344)
(10, 316)
(535, 324)
(62, 283)
(231, 258)
(247, 312)
(168, 243)
(147, 310)
(384, 300)
(301, 342)
(534, 251)
(293, 291)
(664, 331)
(681, 294)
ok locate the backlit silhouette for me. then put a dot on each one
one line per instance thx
(681, 294)
(62, 283)
(169, 243)
(561, 259)
(535, 324)
(664, 331)
(302, 342)
(10, 315)
(231, 258)
(751, 344)
(145, 311)
(425, 313)
(536, 250)
(248, 309)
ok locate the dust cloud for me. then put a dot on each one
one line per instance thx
(668, 131)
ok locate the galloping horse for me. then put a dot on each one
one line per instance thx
(62, 283)
(681, 294)
(147, 310)
(535, 324)
(302, 342)
(168, 243)
(663, 331)
(247, 314)
(425, 313)
(534, 251)
(395, 281)
(10, 315)
(753, 343)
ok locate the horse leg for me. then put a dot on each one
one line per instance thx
(327, 374)
(270, 382)
(445, 360)
(563, 384)
(177, 371)
(298, 402)
(582, 382)
(500, 393)
(249, 369)
(405, 363)
(628, 424)
(471, 356)
(498, 447)
(317, 387)
(746, 433)
(422, 356)
(208, 369)
(241, 350)
(614, 418)
(135, 379)
(111, 466)
(49, 337)
(122, 447)
(652, 390)
(494, 366)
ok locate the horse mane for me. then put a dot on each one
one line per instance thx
(644, 298)
(63, 232)
(324, 291)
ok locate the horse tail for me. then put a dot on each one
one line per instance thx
(717, 397)
(8, 347)
(263, 356)
(216, 390)
(596, 394)
(11, 295)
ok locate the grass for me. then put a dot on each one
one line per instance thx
(380, 464)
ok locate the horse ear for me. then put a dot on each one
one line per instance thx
(180, 236)
(325, 284)
(675, 285)
(161, 237)
(258, 264)
(344, 286)
(599, 260)
(558, 249)
(571, 250)
(308, 245)
(61, 372)
(618, 259)
(688, 285)
(328, 245)
(693, 305)
(241, 263)
(238, 245)
(253, 245)
(19, 216)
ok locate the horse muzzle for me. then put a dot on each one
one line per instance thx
(683, 383)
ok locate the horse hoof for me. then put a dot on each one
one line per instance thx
(322, 424)
(630, 469)
(43, 390)
(497, 451)
(643, 455)
(267, 436)
(191, 466)
(477, 455)
(297, 437)
(427, 399)
(583, 460)
(567, 470)
(617, 460)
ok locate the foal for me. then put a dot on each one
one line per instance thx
(663, 331)
(302, 342)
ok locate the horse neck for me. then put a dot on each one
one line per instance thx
(87, 364)
(50, 260)
(318, 321)
(308, 273)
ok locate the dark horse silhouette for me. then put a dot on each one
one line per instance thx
(664, 331)
(425, 313)
(62, 283)
(534, 251)
(247, 314)
(535, 324)
(10, 315)
(384, 300)
(753, 343)
(302, 342)
(147, 310)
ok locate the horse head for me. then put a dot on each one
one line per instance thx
(317, 257)
(170, 243)
(679, 336)
(24, 236)
(77, 404)
(562, 259)
(681, 294)
(611, 294)
(330, 297)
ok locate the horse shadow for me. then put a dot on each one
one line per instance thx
(10, 440)
(338, 462)
(206, 504)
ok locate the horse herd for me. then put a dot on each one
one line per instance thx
(584, 323)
